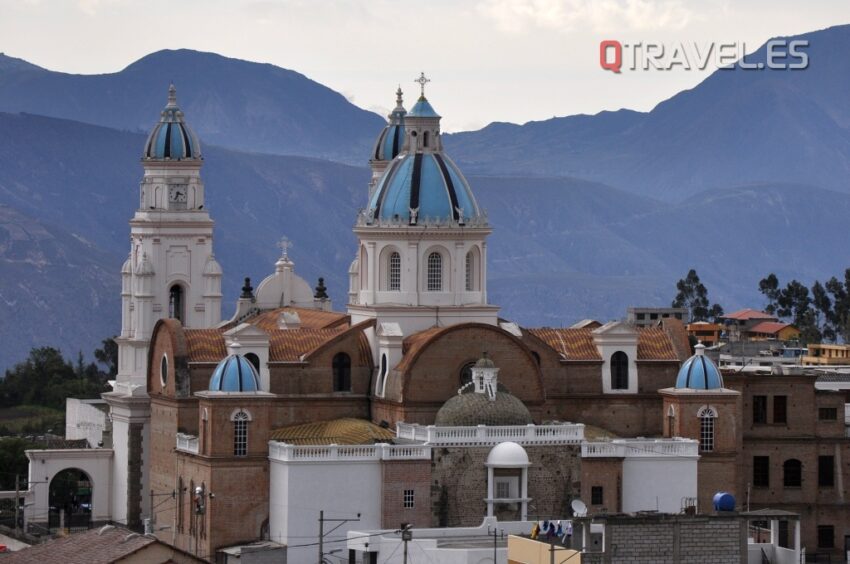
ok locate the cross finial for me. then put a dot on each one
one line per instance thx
(422, 81)
(284, 245)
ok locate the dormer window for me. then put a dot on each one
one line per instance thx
(619, 371)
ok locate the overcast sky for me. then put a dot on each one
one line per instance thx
(489, 60)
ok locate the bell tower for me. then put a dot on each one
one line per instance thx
(170, 272)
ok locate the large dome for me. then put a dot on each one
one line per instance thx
(172, 139)
(699, 372)
(469, 409)
(428, 182)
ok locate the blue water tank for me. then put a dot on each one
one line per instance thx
(724, 501)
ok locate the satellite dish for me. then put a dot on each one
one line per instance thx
(579, 508)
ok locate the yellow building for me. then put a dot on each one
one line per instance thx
(522, 550)
(706, 333)
(827, 355)
(773, 331)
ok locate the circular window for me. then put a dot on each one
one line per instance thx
(163, 370)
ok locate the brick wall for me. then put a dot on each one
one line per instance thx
(459, 483)
(398, 476)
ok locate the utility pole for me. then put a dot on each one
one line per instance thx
(321, 535)
(322, 522)
(406, 536)
(17, 501)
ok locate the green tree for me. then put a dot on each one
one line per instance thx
(770, 288)
(13, 461)
(107, 356)
(693, 295)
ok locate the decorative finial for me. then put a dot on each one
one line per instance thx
(247, 290)
(422, 81)
(172, 95)
(321, 290)
(284, 245)
(399, 101)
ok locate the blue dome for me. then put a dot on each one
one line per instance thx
(391, 139)
(235, 374)
(423, 108)
(429, 182)
(171, 138)
(699, 372)
(389, 143)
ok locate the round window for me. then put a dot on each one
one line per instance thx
(163, 370)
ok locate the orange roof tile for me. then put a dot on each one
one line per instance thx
(654, 344)
(285, 345)
(769, 327)
(574, 344)
(345, 431)
(749, 313)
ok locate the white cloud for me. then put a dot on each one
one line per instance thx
(516, 16)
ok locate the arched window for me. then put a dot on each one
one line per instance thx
(394, 272)
(254, 360)
(435, 272)
(175, 302)
(240, 433)
(706, 415)
(671, 420)
(425, 139)
(382, 377)
(619, 371)
(792, 473)
(342, 372)
(466, 373)
(470, 272)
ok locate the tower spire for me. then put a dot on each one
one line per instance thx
(172, 96)
(399, 101)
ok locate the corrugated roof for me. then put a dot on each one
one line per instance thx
(345, 431)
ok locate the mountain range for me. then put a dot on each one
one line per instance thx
(741, 176)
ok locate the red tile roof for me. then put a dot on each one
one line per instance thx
(574, 344)
(769, 327)
(577, 344)
(747, 314)
(285, 345)
(90, 547)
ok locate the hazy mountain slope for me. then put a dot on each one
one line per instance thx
(232, 103)
(736, 127)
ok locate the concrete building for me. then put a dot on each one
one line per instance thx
(650, 316)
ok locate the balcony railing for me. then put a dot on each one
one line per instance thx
(187, 443)
(351, 453)
(483, 435)
(641, 448)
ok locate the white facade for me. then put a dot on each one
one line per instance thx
(88, 419)
(612, 338)
(658, 474)
(343, 481)
(45, 464)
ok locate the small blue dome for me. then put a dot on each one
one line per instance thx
(235, 374)
(171, 138)
(423, 108)
(429, 182)
(699, 372)
(391, 139)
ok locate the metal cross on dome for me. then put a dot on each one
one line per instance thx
(422, 81)
(284, 245)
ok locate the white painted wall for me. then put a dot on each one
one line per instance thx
(299, 490)
(86, 419)
(651, 483)
(45, 464)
